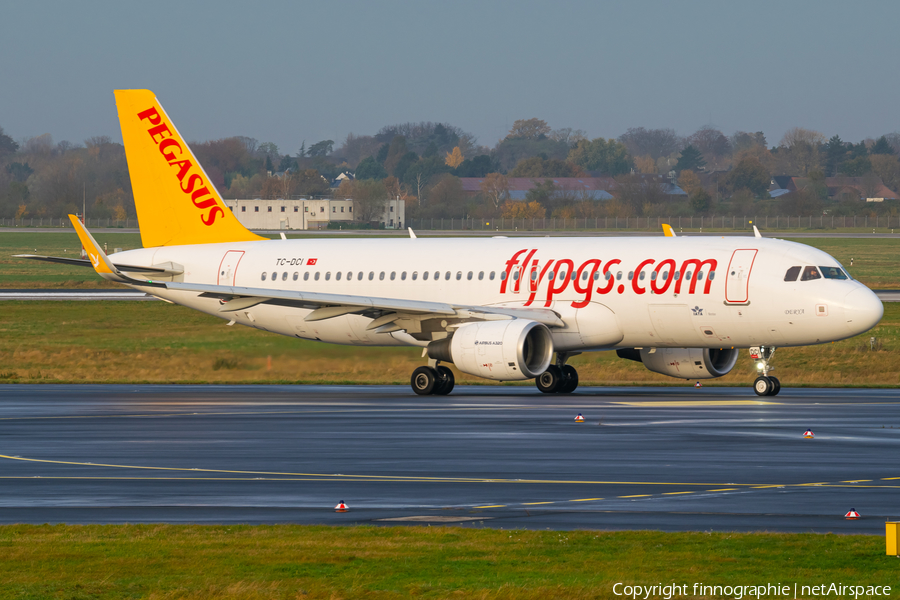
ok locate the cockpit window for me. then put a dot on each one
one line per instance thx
(833, 273)
(792, 274)
(810, 273)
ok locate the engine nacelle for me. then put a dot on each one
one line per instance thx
(502, 350)
(685, 363)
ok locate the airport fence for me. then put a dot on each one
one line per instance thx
(717, 223)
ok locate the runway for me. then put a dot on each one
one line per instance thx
(505, 457)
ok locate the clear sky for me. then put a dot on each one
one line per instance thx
(291, 71)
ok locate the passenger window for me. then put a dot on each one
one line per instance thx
(447, 276)
(316, 276)
(630, 275)
(688, 275)
(274, 275)
(619, 276)
(833, 273)
(328, 276)
(641, 276)
(296, 275)
(424, 276)
(349, 275)
(712, 275)
(677, 275)
(491, 277)
(699, 275)
(480, 275)
(810, 273)
(284, 276)
(263, 278)
(337, 276)
(665, 275)
(371, 275)
(608, 275)
(597, 275)
(533, 275)
(306, 276)
(415, 275)
(469, 276)
(437, 275)
(573, 276)
(584, 275)
(653, 275)
(515, 275)
(403, 276)
(393, 275)
(458, 275)
(502, 275)
(359, 276)
(562, 275)
(550, 275)
(381, 276)
(792, 274)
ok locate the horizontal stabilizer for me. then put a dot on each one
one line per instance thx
(168, 269)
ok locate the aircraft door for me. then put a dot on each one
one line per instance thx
(228, 267)
(737, 278)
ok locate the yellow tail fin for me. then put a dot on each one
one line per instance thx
(176, 202)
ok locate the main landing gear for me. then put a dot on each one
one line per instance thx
(765, 385)
(559, 378)
(434, 379)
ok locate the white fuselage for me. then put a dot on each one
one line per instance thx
(696, 292)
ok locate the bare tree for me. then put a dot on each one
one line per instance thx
(495, 188)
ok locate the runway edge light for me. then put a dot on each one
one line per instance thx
(579, 418)
(892, 537)
(852, 514)
(341, 507)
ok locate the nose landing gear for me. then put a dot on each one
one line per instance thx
(765, 385)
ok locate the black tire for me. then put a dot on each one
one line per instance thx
(445, 382)
(776, 386)
(570, 379)
(762, 386)
(423, 381)
(550, 380)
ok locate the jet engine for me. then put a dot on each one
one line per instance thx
(502, 350)
(685, 363)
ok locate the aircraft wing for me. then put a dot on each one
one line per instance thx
(387, 310)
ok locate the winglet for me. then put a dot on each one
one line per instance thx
(756, 232)
(667, 230)
(412, 234)
(98, 257)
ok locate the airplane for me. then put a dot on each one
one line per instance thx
(505, 309)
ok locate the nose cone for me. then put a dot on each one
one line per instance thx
(862, 309)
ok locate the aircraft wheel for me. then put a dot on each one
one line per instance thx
(423, 381)
(550, 380)
(776, 386)
(763, 386)
(445, 382)
(570, 379)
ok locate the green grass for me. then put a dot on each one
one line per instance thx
(874, 259)
(230, 562)
(130, 342)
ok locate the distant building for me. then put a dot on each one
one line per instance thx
(840, 188)
(593, 188)
(304, 213)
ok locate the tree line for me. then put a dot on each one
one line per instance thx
(423, 163)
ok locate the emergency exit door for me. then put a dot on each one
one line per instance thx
(228, 266)
(737, 282)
